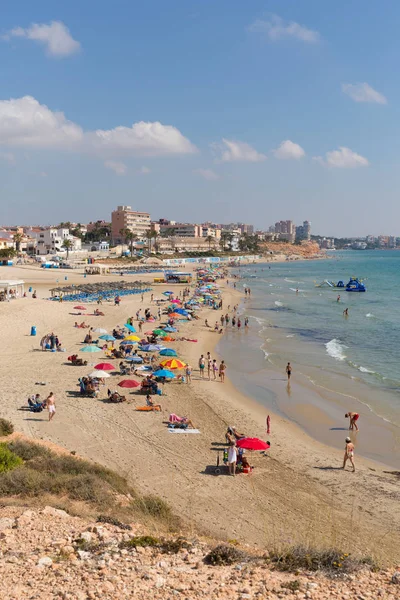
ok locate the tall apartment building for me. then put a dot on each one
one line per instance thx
(126, 218)
(286, 230)
(303, 232)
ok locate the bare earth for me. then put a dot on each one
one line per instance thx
(297, 493)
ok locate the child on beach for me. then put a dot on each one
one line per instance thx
(353, 416)
(349, 454)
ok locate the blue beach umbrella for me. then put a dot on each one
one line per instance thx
(135, 359)
(164, 373)
(130, 327)
(181, 311)
(167, 293)
(127, 343)
(152, 347)
(170, 329)
(168, 352)
(90, 349)
(108, 338)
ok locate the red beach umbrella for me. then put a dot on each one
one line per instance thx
(80, 307)
(253, 444)
(129, 383)
(105, 367)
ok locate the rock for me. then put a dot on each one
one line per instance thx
(86, 536)
(159, 582)
(45, 561)
(396, 578)
(67, 549)
(108, 586)
(6, 523)
(311, 586)
(54, 512)
(83, 555)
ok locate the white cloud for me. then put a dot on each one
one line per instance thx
(362, 92)
(119, 168)
(144, 170)
(344, 158)
(26, 123)
(8, 157)
(234, 151)
(276, 29)
(55, 37)
(144, 139)
(289, 150)
(207, 174)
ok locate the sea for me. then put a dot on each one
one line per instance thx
(293, 318)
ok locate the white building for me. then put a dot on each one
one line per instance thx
(49, 241)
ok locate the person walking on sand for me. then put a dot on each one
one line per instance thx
(51, 405)
(232, 458)
(289, 371)
(215, 368)
(349, 454)
(188, 372)
(202, 365)
(353, 416)
(222, 369)
(209, 366)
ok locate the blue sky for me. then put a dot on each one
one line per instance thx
(202, 110)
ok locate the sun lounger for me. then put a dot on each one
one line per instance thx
(173, 430)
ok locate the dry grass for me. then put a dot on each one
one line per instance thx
(6, 428)
(76, 485)
(330, 561)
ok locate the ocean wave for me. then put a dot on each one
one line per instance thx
(336, 349)
(296, 290)
(369, 315)
(290, 336)
(290, 280)
(365, 370)
(277, 303)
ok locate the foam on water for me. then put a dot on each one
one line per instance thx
(277, 303)
(336, 349)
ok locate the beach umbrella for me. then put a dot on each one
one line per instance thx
(170, 329)
(90, 349)
(159, 332)
(181, 311)
(152, 347)
(135, 359)
(128, 383)
(176, 301)
(252, 444)
(164, 373)
(174, 315)
(108, 338)
(105, 367)
(99, 375)
(127, 343)
(132, 338)
(99, 330)
(173, 363)
(168, 352)
(167, 293)
(130, 327)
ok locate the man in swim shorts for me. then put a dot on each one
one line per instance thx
(349, 454)
(289, 371)
(51, 405)
(353, 416)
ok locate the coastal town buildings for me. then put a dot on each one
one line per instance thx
(124, 218)
(51, 240)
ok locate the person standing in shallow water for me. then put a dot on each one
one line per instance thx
(289, 371)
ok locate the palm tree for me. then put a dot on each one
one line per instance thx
(67, 244)
(224, 237)
(6, 253)
(209, 239)
(131, 238)
(156, 244)
(150, 236)
(18, 237)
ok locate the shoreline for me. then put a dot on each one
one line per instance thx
(296, 491)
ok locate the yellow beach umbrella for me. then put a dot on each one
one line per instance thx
(173, 363)
(132, 338)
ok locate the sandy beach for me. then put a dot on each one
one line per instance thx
(296, 493)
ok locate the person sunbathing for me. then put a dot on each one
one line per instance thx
(88, 339)
(232, 435)
(177, 421)
(98, 313)
(84, 326)
(151, 404)
(115, 396)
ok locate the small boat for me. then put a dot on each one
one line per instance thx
(355, 285)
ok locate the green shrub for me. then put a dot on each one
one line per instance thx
(225, 555)
(143, 541)
(329, 560)
(8, 460)
(27, 450)
(6, 427)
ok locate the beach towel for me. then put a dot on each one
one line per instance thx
(183, 430)
(147, 408)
